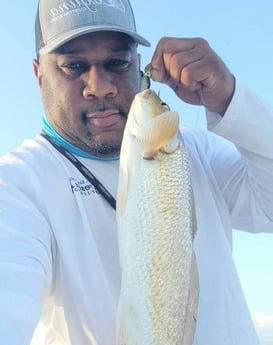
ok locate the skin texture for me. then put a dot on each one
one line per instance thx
(88, 84)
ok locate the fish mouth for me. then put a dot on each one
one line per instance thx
(146, 94)
(149, 94)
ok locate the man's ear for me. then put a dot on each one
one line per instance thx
(37, 71)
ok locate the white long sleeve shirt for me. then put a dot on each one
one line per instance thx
(59, 264)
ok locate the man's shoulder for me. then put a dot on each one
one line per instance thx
(32, 156)
(29, 150)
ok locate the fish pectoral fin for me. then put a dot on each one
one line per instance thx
(157, 132)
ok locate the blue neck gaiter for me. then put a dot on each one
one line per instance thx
(68, 146)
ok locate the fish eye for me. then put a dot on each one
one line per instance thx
(165, 105)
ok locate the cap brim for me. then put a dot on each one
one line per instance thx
(68, 36)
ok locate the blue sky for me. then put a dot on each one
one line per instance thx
(241, 32)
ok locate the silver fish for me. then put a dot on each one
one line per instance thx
(156, 228)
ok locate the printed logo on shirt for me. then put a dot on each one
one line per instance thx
(83, 187)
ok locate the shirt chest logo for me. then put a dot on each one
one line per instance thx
(82, 187)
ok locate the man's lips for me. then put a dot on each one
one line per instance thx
(105, 118)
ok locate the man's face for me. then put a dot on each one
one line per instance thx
(87, 87)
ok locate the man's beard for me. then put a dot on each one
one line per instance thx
(97, 146)
(112, 148)
(82, 137)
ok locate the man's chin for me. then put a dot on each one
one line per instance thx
(105, 149)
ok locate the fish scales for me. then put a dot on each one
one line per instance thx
(156, 224)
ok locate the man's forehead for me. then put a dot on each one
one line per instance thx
(113, 41)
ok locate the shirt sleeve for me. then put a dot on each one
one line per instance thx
(25, 258)
(246, 178)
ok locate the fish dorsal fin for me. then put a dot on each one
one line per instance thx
(157, 132)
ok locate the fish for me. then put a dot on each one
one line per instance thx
(158, 302)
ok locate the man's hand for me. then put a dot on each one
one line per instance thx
(194, 71)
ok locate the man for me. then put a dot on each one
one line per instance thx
(58, 241)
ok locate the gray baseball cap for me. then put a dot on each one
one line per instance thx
(59, 21)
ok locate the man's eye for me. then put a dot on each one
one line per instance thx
(117, 64)
(74, 66)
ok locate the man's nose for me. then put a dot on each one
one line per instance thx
(99, 83)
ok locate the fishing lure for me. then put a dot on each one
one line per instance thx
(146, 80)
